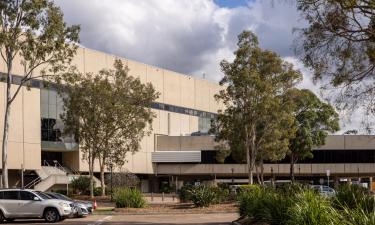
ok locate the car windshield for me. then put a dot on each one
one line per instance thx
(62, 197)
(42, 195)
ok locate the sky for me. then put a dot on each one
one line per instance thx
(189, 36)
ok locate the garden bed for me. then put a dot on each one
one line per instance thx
(180, 208)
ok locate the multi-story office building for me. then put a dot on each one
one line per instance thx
(172, 152)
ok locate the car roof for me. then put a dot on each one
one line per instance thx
(16, 189)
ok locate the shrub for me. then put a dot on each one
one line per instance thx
(81, 185)
(310, 208)
(97, 191)
(129, 198)
(184, 193)
(265, 204)
(222, 194)
(358, 216)
(352, 197)
(202, 196)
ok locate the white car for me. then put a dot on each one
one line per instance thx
(24, 203)
(324, 190)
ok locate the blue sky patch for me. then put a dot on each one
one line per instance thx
(231, 3)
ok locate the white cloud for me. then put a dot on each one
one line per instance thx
(187, 36)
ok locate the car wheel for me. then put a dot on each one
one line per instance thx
(1, 216)
(51, 215)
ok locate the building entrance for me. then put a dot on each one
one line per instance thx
(51, 158)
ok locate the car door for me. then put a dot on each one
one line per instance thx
(11, 203)
(29, 205)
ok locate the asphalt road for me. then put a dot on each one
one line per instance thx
(155, 219)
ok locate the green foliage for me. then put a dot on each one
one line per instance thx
(311, 209)
(354, 196)
(255, 120)
(81, 185)
(338, 45)
(34, 33)
(98, 191)
(202, 196)
(109, 113)
(129, 198)
(313, 120)
(296, 204)
(358, 216)
(184, 193)
(265, 204)
(222, 194)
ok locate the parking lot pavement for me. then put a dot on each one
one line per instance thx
(166, 219)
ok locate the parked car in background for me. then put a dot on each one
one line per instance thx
(25, 203)
(80, 208)
(324, 190)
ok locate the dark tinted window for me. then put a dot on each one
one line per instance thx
(13, 195)
(25, 195)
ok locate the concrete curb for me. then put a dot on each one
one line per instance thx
(159, 213)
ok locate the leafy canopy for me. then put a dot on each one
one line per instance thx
(314, 119)
(109, 112)
(339, 45)
(255, 117)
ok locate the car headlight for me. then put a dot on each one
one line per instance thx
(63, 204)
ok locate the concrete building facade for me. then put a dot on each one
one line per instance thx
(184, 109)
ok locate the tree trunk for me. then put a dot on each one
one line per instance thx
(91, 172)
(102, 183)
(261, 172)
(292, 168)
(4, 154)
(257, 173)
(249, 169)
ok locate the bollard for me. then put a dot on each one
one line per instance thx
(152, 196)
(162, 197)
(172, 198)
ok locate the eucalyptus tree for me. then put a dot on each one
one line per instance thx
(109, 113)
(314, 119)
(254, 117)
(338, 44)
(34, 32)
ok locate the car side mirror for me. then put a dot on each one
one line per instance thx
(36, 199)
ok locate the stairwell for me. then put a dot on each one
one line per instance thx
(48, 176)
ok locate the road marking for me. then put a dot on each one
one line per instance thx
(99, 222)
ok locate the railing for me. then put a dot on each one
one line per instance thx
(33, 183)
(55, 164)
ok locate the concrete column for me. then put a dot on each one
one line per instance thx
(370, 184)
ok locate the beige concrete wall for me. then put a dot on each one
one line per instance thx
(185, 143)
(24, 128)
(349, 170)
(174, 88)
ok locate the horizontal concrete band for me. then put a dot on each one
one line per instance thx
(269, 169)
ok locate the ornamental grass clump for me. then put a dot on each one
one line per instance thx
(265, 205)
(312, 209)
(129, 198)
(202, 196)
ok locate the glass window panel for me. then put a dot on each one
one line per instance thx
(25, 195)
(52, 97)
(52, 111)
(12, 195)
(44, 96)
(44, 110)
